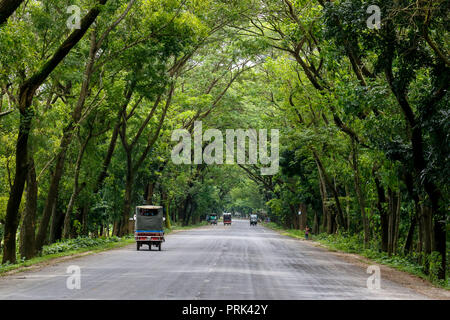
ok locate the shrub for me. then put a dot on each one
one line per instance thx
(77, 243)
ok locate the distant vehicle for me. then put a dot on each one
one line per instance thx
(253, 219)
(149, 226)
(227, 219)
(213, 219)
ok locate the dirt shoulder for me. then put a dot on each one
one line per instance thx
(36, 266)
(39, 265)
(403, 278)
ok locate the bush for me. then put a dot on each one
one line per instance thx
(77, 243)
(434, 260)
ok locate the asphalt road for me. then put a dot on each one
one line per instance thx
(215, 262)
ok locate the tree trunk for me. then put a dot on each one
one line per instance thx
(438, 207)
(331, 222)
(189, 213)
(303, 219)
(57, 225)
(420, 225)
(183, 210)
(27, 231)
(347, 206)
(66, 140)
(325, 221)
(409, 238)
(384, 223)
(397, 221)
(324, 197)
(26, 94)
(340, 216)
(394, 214)
(149, 192)
(440, 237)
(390, 221)
(294, 219)
(166, 202)
(7, 8)
(67, 216)
(85, 221)
(107, 160)
(174, 214)
(359, 194)
(427, 229)
(126, 206)
(316, 223)
(53, 192)
(116, 228)
(76, 188)
(409, 182)
(132, 168)
(15, 197)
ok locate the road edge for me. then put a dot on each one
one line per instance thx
(89, 251)
(404, 278)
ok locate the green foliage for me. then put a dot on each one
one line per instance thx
(335, 89)
(77, 243)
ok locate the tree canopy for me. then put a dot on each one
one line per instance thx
(87, 115)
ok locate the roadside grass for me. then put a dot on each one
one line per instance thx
(68, 248)
(79, 245)
(355, 244)
(179, 226)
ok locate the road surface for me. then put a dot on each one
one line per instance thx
(214, 262)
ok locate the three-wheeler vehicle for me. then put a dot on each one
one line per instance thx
(227, 219)
(149, 226)
(213, 219)
(253, 219)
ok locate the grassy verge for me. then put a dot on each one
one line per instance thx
(354, 244)
(69, 248)
(178, 226)
(80, 245)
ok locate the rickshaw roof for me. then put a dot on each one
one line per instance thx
(149, 207)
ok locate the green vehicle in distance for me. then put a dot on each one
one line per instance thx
(253, 219)
(213, 219)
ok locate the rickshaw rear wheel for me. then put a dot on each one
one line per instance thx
(137, 246)
(159, 247)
